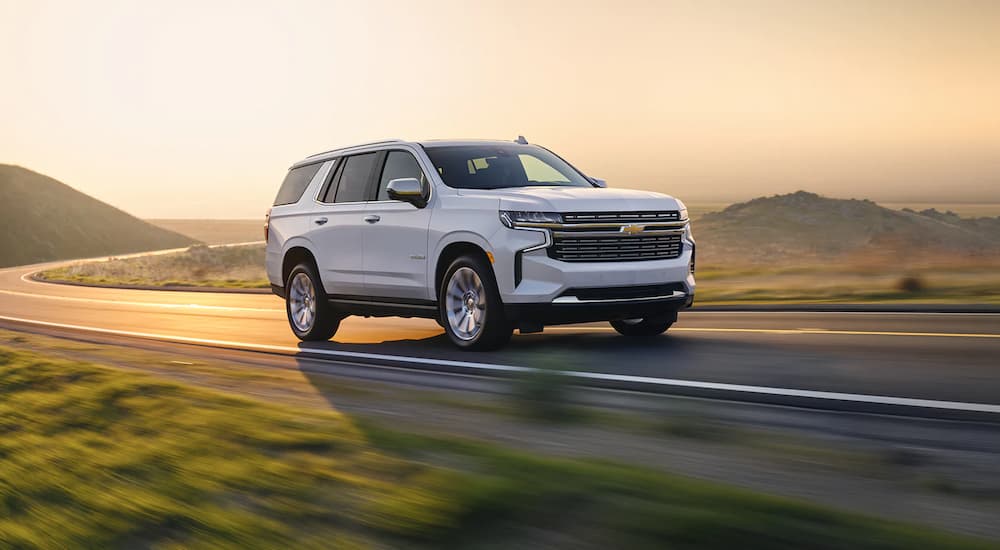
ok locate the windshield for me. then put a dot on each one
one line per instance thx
(495, 166)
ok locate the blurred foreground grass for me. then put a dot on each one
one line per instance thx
(99, 457)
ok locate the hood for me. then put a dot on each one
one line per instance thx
(576, 199)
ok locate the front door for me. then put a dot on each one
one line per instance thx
(395, 236)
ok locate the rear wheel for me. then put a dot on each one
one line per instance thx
(648, 326)
(471, 311)
(309, 313)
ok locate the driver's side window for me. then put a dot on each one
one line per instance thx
(399, 164)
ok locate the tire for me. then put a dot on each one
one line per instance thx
(649, 326)
(309, 313)
(470, 308)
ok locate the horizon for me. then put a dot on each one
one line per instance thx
(965, 209)
(145, 106)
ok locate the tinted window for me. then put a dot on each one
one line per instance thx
(330, 187)
(494, 166)
(399, 164)
(353, 181)
(295, 184)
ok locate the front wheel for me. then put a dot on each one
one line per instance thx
(471, 311)
(649, 326)
(309, 314)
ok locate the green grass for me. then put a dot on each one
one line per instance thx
(92, 456)
(198, 266)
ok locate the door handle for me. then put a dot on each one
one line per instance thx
(320, 221)
(372, 219)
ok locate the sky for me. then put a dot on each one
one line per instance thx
(195, 109)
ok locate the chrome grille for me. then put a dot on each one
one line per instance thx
(621, 217)
(598, 237)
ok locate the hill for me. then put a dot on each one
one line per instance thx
(805, 226)
(45, 219)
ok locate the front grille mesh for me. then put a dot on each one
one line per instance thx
(610, 244)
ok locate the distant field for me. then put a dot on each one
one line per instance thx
(103, 457)
(863, 280)
(799, 247)
(698, 209)
(216, 231)
(976, 282)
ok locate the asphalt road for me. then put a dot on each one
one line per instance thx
(927, 356)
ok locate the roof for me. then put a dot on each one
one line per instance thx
(459, 142)
(326, 155)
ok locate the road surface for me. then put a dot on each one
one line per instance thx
(952, 358)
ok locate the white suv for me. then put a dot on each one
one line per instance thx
(482, 236)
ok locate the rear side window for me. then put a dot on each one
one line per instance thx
(295, 184)
(354, 178)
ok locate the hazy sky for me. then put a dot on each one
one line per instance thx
(195, 109)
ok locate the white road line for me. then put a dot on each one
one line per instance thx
(487, 368)
(141, 304)
(835, 312)
(567, 329)
(822, 331)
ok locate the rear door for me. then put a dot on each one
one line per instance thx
(338, 221)
(395, 236)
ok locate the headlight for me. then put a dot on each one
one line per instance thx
(511, 218)
(682, 210)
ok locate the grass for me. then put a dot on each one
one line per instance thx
(869, 280)
(198, 266)
(98, 457)
(945, 281)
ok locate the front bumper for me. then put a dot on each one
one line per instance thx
(577, 307)
(527, 275)
(541, 290)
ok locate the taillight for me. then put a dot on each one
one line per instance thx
(267, 224)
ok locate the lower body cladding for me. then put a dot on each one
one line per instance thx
(662, 302)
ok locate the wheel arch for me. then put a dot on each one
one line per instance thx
(295, 255)
(454, 249)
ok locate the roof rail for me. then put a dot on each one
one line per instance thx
(380, 142)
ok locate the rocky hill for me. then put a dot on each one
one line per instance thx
(807, 226)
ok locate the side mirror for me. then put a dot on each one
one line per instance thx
(599, 182)
(407, 190)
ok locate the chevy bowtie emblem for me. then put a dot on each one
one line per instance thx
(632, 229)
